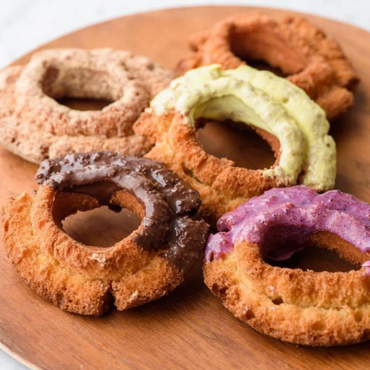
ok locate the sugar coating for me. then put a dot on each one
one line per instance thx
(35, 126)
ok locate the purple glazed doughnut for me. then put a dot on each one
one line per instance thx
(302, 307)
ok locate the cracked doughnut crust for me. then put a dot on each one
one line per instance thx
(309, 59)
(85, 292)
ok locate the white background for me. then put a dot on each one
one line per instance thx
(25, 24)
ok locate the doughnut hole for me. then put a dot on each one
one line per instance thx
(264, 66)
(318, 326)
(292, 247)
(237, 142)
(84, 104)
(358, 316)
(249, 314)
(101, 227)
(278, 301)
(80, 88)
(261, 48)
(93, 223)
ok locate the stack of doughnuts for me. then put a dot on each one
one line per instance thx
(141, 152)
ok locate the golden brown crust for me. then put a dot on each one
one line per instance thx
(78, 278)
(221, 185)
(303, 52)
(35, 126)
(302, 307)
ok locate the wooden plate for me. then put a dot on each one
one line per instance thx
(189, 328)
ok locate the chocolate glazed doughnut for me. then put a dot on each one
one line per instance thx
(144, 266)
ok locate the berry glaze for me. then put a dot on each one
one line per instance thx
(282, 219)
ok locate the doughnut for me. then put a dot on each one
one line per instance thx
(35, 126)
(279, 111)
(303, 53)
(83, 279)
(293, 305)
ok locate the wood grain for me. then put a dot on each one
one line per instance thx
(189, 328)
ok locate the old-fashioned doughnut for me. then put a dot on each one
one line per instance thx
(303, 307)
(144, 266)
(280, 112)
(35, 126)
(304, 54)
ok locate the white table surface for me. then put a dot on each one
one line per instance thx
(25, 24)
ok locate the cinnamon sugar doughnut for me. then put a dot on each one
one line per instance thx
(144, 266)
(35, 126)
(282, 114)
(302, 307)
(304, 54)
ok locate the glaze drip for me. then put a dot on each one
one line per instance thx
(291, 215)
(168, 201)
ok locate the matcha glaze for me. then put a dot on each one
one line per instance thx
(264, 100)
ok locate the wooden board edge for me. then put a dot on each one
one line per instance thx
(18, 358)
(25, 56)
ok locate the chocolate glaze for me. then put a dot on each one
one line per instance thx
(168, 201)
